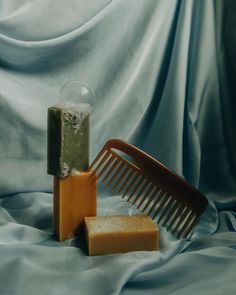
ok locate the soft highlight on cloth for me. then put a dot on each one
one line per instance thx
(163, 73)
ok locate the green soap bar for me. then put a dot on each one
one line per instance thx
(68, 140)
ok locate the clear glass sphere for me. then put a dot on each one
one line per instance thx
(77, 94)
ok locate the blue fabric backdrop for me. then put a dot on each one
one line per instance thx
(163, 72)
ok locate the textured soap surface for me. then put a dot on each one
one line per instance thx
(119, 234)
(68, 140)
(74, 199)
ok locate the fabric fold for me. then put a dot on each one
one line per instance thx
(163, 77)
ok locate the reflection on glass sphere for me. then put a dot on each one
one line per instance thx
(76, 93)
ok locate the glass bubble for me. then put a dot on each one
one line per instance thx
(76, 94)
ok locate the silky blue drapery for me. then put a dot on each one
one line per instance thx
(163, 72)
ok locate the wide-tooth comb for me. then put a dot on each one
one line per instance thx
(150, 186)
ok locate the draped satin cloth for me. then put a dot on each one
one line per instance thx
(163, 72)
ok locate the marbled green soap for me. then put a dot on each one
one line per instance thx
(68, 140)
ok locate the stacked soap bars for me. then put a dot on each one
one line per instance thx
(74, 195)
(68, 158)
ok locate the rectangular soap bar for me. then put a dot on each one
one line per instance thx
(74, 198)
(68, 140)
(118, 234)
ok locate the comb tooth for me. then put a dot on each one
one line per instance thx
(100, 154)
(119, 179)
(191, 225)
(150, 189)
(125, 180)
(144, 186)
(136, 187)
(134, 179)
(159, 197)
(170, 203)
(186, 223)
(115, 173)
(108, 163)
(107, 155)
(112, 167)
(179, 210)
(163, 202)
(183, 216)
(170, 214)
(156, 190)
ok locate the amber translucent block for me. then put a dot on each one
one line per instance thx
(74, 198)
(119, 234)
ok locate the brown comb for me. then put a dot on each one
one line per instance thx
(150, 186)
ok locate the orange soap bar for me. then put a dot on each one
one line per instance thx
(74, 198)
(118, 234)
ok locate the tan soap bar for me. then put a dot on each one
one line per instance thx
(74, 198)
(118, 234)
